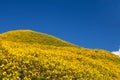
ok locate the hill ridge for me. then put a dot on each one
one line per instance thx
(33, 36)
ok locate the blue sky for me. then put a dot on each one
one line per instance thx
(87, 23)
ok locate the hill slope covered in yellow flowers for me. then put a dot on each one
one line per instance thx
(29, 55)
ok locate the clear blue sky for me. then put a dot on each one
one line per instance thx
(87, 23)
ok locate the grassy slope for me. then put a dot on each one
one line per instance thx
(29, 36)
(19, 59)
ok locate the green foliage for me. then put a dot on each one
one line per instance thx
(21, 60)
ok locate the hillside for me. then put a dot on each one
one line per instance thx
(30, 55)
(29, 36)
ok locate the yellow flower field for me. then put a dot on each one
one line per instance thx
(21, 60)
